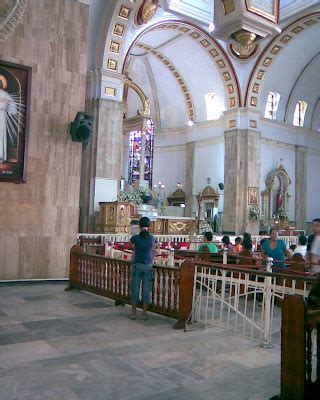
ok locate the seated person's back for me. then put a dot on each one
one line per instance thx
(207, 242)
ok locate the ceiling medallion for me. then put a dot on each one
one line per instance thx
(11, 12)
(245, 47)
(146, 11)
(243, 52)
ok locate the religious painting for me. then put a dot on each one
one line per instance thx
(15, 81)
(253, 196)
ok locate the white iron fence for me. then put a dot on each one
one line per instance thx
(243, 300)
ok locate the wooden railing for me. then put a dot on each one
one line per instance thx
(172, 287)
(300, 349)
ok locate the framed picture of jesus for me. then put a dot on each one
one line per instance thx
(253, 196)
(15, 83)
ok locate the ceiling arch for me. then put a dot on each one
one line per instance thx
(175, 72)
(209, 45)
(305, 88)
(282, 62)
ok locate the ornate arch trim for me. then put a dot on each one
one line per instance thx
(174, 71)
(208, 44)
(145, 102)
(255, 83)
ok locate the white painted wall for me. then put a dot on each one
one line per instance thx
(209, 163)
(105, 190)
(169, 167)
(313, 185)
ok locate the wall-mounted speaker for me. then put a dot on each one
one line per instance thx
(81, 127)
(221, 186)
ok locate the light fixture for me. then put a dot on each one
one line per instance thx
(178, 184)
(190, 122)
(211, 27)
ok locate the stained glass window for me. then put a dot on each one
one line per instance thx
(135, 153)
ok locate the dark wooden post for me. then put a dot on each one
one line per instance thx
(293, 348)
(185, 293)
(74, 266)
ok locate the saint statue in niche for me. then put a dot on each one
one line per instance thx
(279, 199)
(9, 122)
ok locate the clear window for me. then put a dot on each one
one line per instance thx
(299, 113)
(272, 105)
(213, 106)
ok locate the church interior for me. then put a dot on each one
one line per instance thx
(202, 115)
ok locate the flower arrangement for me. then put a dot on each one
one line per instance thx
(205, 227)
(135, 197)
(255, 213)
(282, 213)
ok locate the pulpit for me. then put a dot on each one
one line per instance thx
(115, 216)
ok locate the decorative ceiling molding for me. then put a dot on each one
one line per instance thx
(255, 84)
(309, 63)
(173, 70)
(217, 54)
(145, 102)
(11, 13)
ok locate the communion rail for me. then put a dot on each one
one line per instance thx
(243, 298)
(120, 237)
(171, 292)
(300, 349)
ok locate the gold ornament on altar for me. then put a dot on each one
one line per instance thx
(146, 11)
(115, 216)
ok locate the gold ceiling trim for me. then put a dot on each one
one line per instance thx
(175, 72)
(274, 48)
(145, 102)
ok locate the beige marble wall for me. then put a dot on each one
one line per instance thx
(241, 170)
(103, 156)
(39, 219)
(301, 187)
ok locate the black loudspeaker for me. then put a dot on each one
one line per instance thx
(81, 127)
(221, 186)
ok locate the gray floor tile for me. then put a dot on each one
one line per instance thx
(76, 347)
(96, 304)
(40, 298)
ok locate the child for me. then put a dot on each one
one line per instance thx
(238, 247)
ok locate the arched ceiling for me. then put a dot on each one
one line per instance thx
(179, 53)
(177, 62)
(290, 66)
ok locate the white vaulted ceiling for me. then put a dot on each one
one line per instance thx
(294, 74)
(195, 66)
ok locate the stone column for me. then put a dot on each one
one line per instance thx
(191, 205)
(101, 163)
(241, 171)
(301, 186)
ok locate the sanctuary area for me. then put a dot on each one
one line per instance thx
(200, 118)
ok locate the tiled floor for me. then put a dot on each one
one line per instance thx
(57, 345)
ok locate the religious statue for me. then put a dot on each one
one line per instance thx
(279, 200)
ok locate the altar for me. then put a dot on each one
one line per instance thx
(165, 225)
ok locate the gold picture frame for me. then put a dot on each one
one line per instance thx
(253, 196)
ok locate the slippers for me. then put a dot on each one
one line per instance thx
(132, 317)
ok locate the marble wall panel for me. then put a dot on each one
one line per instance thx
(40, 221)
